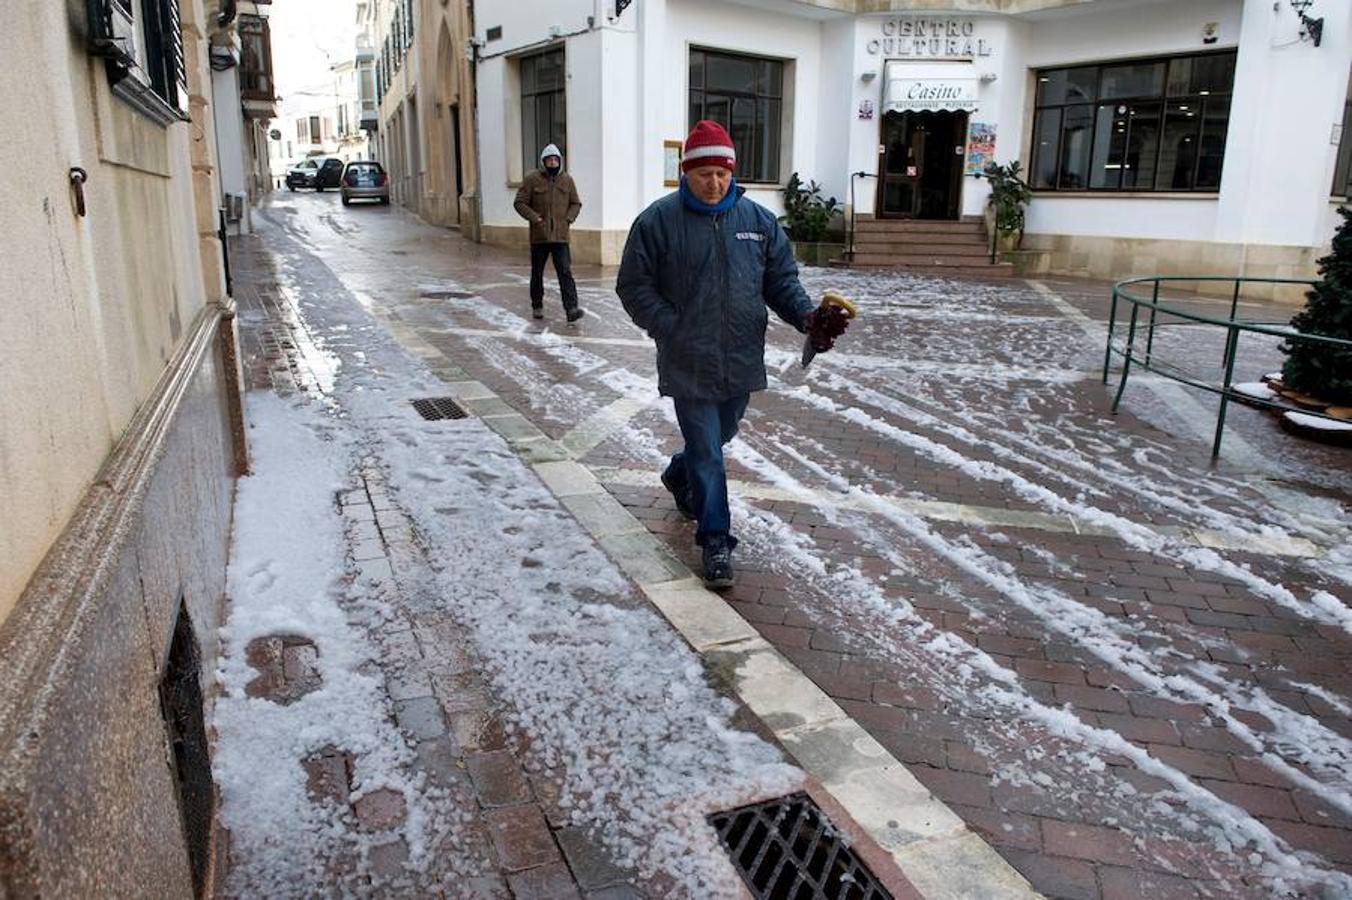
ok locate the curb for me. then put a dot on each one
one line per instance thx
(926, 840)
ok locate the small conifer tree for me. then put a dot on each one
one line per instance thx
(1319, 370)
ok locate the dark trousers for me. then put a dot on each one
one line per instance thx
(698, 469)
(563, 267)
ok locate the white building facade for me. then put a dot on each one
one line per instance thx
(245, 92)
(1201, 137)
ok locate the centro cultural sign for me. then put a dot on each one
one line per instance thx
(920, 38)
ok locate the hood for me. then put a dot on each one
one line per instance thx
(551, 150)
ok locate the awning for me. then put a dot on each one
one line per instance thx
(908, 92)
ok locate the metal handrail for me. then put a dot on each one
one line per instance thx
(849, 250)
(1234, 328)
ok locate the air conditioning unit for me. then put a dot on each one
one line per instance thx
(234, 207)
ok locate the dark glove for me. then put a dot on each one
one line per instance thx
(823, 325)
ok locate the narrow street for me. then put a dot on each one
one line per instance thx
(1129, 672)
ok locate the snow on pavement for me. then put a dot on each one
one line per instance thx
(602, 693)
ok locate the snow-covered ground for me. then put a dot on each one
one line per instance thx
(596, 685)
(950, 410)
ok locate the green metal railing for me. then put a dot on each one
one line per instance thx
(1234, 328)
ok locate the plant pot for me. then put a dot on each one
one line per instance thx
(817, 253)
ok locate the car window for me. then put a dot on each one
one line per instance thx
(364, 167)
(308, 164)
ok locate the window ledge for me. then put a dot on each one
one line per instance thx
(145, 101)
(1134, 195)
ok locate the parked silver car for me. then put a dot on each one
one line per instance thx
(365, 180)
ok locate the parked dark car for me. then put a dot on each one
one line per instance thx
(302, 174)
(365, 180)
(330, 174)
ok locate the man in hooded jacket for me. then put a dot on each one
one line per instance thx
(699, 268)
(548, 200)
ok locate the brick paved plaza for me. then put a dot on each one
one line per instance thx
(1127, 669)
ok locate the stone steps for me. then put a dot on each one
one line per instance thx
(958, 248)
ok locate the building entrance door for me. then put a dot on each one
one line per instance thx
(921, 164)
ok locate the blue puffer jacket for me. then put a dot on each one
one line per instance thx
(699, 285)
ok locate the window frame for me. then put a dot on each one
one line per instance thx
(774, 130)
(530, 155)
(1202, 101)
(260, 27)
(1342, 166)
(141, 42)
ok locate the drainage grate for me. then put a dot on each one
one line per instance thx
(436, 408)
(786, 849)
(181, 705)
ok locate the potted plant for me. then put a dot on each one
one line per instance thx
(1009, 195)
(807, 218)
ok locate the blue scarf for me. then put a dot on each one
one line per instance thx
(695, 204)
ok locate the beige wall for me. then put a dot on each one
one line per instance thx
(1115, 259)
(586, 245)
(91, 308)
(437, 73)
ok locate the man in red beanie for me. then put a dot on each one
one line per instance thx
(699, 269)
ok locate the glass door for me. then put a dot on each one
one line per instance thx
(900, 166)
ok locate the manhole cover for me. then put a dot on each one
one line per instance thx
(446, 295)
(436, 408)
(786, 849)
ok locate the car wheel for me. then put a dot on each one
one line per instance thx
(347, 202)
(319, 189)
(291, 187)
(384, 201)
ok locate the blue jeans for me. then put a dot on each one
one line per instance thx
(698, 469)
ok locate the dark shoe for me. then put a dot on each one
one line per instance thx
(537, 312)
(718, 564)
(682, 498)
(575, 313)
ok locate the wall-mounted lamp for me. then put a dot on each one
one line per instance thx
(1311, 28)
(868, 75)
(988, 77)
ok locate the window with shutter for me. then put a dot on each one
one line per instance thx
(255, 58)
(141, 42)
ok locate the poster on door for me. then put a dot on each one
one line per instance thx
(980, 146)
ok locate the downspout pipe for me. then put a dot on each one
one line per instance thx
(478, 165)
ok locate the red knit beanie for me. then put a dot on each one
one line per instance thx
(708, 145)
